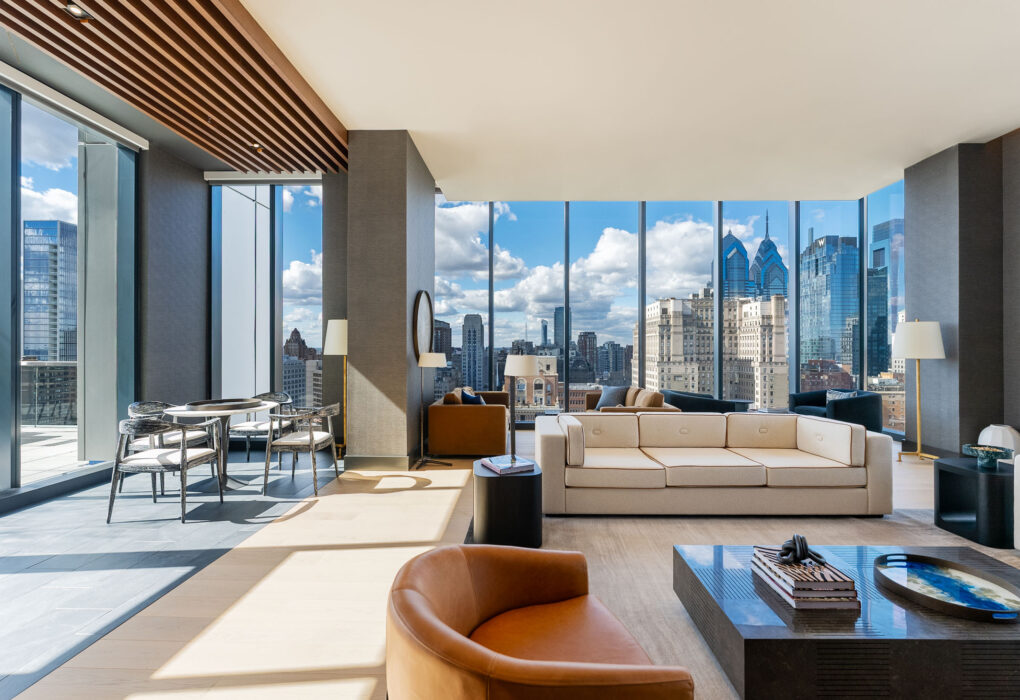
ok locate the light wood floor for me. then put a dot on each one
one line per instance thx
(298, 609)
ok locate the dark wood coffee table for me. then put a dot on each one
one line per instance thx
(892, 648)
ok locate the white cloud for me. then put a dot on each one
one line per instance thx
(49, 204)
(312, 196)
(314, 193)
(47, 140)
(462, 233)
(306, 319)
(302, 281)
(288, 199)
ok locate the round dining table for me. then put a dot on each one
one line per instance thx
(224, 415)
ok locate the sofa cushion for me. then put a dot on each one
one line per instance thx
(608, 429)
(632, 392)
(783, 458)
(578, 629)
(678, 429)
(612, 396)
(575, 438)
(761, 430)
(706, 466)
(825, 477)
(818, 411)
(648, 399)
(616, 467)
(832, 439)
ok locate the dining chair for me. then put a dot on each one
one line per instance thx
(155, 409)
(313, 431)
(253, 427)
(159, 460)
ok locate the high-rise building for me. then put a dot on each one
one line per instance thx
(610, 367)
(313, 382)
(473, 371)
(769, 275)
(587, 350)
(886, 250)
(296, 347)
(545, 333)
(755, 364)
(734, 268)
(50, 296)
(678, 344)
(294, 380)
(879, 340)
(559, 327)
(829, 270)
(442, 338)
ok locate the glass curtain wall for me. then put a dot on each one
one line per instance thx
(603, 296)
(829, 289)
(461, 303)
(884, 299)
(528, 300)
(300, 236)
(49, 295)
(679, 302)
(755, 286)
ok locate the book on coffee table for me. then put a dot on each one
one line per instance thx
(807, 575)
(523, 466)
(810, 600)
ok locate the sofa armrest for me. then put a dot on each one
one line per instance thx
(525, 679)
(864, 409)
(591, 400)
(808, 398)
(551, 455)
(878, 461)
(501, 398)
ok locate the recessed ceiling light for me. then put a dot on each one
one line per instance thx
(77, 12)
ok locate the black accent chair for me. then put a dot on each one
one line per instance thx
(703, 403)
(864, 409)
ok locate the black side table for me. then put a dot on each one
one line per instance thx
(508, 508)
(975, 503)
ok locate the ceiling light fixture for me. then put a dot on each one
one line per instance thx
(257, 147)
(77, 12)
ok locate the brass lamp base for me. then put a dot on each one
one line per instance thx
(918, 454)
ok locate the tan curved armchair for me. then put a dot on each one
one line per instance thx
(480, 621)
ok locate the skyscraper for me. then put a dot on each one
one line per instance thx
(828, 296)
(886, 250)
(559, 328)
(734, 269)
(545, 333)
(587, 348)
(879, 339)
(50, 304)
(473, 372)
(769, 275)
(442, 338)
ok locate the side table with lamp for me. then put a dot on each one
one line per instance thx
(918, 340)
(516, 366)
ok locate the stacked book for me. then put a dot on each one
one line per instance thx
(807, 585)
(518, 467)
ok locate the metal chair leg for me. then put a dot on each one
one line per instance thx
(247, 448)
(219, 484)
(315, 478)
(120, 488)
(162, 484)
(153, 475)
(113, 492)
(293, 463)
(184, 490)
(332, 447)
(265, 482)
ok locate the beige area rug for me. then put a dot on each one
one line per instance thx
(631, 568)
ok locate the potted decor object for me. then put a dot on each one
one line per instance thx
(1000, 436)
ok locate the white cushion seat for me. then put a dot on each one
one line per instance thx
(172, 437)
(300, 438)
(258, 426)
(796, 468)
(166, 458)
(706, 466)
(617, 467)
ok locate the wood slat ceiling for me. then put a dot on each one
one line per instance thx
(203, 68)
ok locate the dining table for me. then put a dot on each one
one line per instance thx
(224, 415)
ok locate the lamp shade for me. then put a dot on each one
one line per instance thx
(432, 359)
(521, 366)
(918, 340)
(336, 337)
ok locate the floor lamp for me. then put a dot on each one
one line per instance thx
(918, 340)
(427, 359)
(336, 344)
(516, 366)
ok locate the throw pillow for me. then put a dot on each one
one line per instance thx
(632, 393)
(648, 399)
(836, 394)
(611, 396)
(467, 397)
(451, 398)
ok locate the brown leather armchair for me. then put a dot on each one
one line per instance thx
(464, 429)
(501, 623)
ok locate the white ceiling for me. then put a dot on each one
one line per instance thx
(668, 99)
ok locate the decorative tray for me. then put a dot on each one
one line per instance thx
(222, 404)
(949, 587)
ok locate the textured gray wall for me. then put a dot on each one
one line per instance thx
(173, 280)
(1011, 276)
(953, 219)
(388, 190)
(334, 280)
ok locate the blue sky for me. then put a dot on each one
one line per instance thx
(49, 166)
(302, 262)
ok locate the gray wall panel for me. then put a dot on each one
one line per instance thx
(1011, 276)
(334, 280)
(173, 280)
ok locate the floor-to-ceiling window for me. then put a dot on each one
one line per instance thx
(679, 300)
(603, 306)
(461, 303)
(755, 293)
(884, 299)
(528, 300)
(829, 290)
(49, 295)
(300, 234)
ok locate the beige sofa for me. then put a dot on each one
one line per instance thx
(711, 464)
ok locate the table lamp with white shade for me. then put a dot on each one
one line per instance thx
(427, 360)
(516, 366)
(336, 344)
(918, 340)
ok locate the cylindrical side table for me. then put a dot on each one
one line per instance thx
(508, 508)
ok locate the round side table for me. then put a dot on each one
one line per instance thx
(508, 508)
